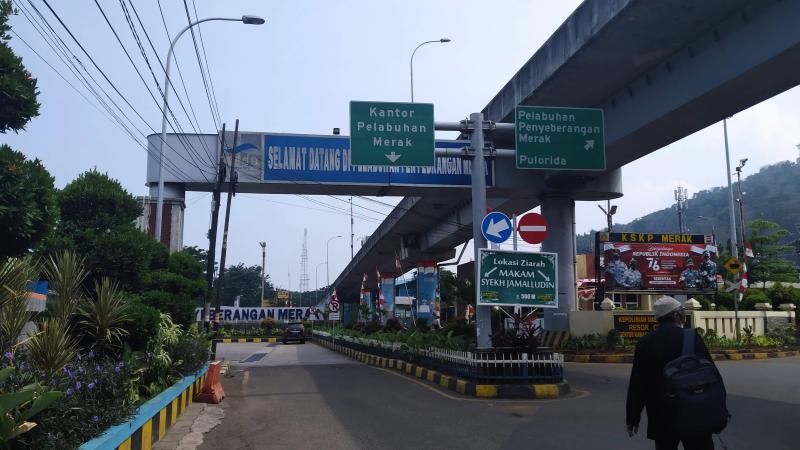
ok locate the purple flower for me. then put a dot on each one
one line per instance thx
(50, 436)
(96, 418)
(90, 355)
(9, 355)
(78, 385)
(69, 392)
(91, 385)
(79, 356)
(116, 369)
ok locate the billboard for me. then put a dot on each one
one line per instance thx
(658, 262)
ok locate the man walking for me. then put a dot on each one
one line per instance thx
(646, 388)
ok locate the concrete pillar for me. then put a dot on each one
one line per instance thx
(560, 215)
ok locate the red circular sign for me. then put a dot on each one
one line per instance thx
(532, 228)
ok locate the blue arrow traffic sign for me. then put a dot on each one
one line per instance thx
(496, 227)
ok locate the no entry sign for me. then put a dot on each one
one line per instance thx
(532, 228)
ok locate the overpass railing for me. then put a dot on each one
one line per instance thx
(498, 366)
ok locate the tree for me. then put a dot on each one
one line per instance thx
(18, 103)
(769, 263)
(245, 281)
(176, 290)
(97, 221)
(27, 202)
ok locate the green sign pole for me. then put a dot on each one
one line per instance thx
(391, 134)
(560, 138)
(511, 278)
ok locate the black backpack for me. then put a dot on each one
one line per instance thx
(695, 394)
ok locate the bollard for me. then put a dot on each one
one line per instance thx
(212, 389)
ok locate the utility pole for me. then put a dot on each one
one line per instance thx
(231, 190)
(263, 268)
(733, 245)
(681, 204)
(352, 254)
(741, 198)
(212, 233)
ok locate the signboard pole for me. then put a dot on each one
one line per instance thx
(482, 313)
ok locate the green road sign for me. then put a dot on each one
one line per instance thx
(518, 278)
(560, 138)
(391, 134)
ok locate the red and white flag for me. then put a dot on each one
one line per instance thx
(333, 296)
(748, 250)
(363, 283)
(380, 293)
(397, 264)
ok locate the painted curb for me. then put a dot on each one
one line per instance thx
(153, 419)
(266, 340)
(725, 356)
(529, 391)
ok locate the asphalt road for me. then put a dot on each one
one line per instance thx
(306, 397)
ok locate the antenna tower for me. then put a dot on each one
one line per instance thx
(304, 263)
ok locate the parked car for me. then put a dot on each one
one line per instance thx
(294, 332)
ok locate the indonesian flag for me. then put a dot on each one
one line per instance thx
(748, 250)
(397, 264)
(363, 288)
(743, 282)
(333, 296)
(380, 293)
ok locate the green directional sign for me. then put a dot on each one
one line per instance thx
(560, 138)
(518, 278)
(391, 134)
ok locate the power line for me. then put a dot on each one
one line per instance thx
(205, 57)
(214, 113)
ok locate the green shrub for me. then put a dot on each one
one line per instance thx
(393, 325)
(784, 334)
(191, 352)
(780, 293)
(751, 297)
(586, 342)
(143, 323)
(613, 339)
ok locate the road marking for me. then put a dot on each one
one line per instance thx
(581, 393)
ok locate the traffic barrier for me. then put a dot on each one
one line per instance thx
(726, 355)
(212, 388)
(153, 419)
(530, 391)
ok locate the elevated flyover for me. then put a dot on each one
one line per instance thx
(660, 69)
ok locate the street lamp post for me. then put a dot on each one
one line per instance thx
(328, 266)
(441, 41)
(733, 246)
(248, 20)
(263, 268)
(612, 209)
(739, 168)
(316, 273)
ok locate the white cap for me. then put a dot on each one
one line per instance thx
(665, 306)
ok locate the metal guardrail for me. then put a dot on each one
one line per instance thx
(496, 367)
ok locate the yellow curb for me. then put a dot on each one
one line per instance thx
(444, 381)
(408, 369)
(735, 356)
(614, 358)
(431, 375)
(418, 372)
(486, 390)
(257, 340)
(461, 386)
(226, 341)
(545, 390)
(760, 356)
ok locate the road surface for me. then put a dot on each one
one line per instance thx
(307, 397)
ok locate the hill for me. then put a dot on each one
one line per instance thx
(771, 194)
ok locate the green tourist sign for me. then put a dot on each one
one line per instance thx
(391, 134)
(560, 138)
(513, 278)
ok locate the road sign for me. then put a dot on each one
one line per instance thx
(532, 228)
(518, 278)
(732, 265)
(298, 159)
(391, 134)
(334, 305)
(333, 316)
(730, 287)
(560, 138)
(496, 227)
(283, 295)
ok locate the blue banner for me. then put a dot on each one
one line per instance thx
(427, 283)
(325, 159)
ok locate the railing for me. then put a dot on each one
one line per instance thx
(495, 366)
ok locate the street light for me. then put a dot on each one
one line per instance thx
(247, 20)
(328, 266)
(263, 266)
(316, 272)
(612, 209)
(739, 168)
(713, 227)
(441, 41)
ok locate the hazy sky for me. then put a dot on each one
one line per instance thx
(297, 74)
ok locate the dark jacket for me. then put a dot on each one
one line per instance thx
(645, 388)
